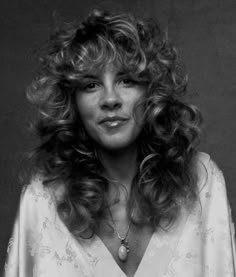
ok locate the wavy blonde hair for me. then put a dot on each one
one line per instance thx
(167, 142)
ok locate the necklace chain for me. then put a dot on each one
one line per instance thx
(115, 227)
(124, 247)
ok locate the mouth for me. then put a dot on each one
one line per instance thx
(113, 119)
(113, 122)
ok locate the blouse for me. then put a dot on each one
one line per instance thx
(199, 244)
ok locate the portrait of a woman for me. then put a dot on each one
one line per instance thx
(117, 184)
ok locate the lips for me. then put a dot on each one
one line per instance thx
(113, 122)
(113, 119)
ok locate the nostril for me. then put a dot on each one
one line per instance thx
(111, 104)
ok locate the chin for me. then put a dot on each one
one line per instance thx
(117, 143)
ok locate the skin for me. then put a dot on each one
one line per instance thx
(109, 93)
(112, 92)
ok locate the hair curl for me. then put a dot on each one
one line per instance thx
(165, 179)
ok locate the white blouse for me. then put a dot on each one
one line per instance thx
(199, 244)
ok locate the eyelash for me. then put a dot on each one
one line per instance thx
(87, 86)
(131, 82)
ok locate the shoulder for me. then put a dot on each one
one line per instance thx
(211, 185)
(39, 199)
(38, 190)
(207, 171)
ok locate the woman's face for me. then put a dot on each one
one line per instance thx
(106, 103)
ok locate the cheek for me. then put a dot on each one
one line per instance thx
(85, 108)
(137, 107)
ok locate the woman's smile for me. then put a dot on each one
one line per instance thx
(113, 123)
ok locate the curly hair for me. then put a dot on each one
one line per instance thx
(165, 178)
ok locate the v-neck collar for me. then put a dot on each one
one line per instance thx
(156, 258)
(111, 258)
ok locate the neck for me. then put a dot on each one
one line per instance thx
(120, 166)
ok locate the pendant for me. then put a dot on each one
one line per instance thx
(123, 251)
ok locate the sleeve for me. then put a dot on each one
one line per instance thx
(207, 245)
(41, 245)
(217, 228)
(25, 244)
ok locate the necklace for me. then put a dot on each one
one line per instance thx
(123, 250)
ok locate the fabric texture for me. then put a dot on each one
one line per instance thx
(199, 244)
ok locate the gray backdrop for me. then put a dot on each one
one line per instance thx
(205, 34)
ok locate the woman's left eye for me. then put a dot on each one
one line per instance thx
(127, 82)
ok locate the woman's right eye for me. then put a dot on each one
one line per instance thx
(90, 86)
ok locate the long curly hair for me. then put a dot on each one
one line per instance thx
(165, 179)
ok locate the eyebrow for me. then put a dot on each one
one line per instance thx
(89, 76)
(97, 76)
(121, 73)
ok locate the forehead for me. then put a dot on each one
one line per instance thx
(110, 68)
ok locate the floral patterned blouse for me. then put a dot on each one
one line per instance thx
(199, 244)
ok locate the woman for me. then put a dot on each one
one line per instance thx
(118, 187)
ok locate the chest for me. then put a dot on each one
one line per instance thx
(138, 240)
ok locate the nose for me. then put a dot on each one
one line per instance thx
(111, 99)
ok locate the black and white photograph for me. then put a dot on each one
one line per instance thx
(118, 138)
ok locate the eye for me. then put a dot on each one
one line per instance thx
(91, 86)
(127, 81)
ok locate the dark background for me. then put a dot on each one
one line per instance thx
(205, 34)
